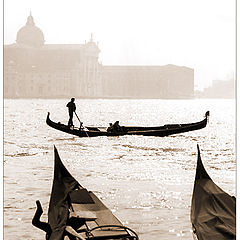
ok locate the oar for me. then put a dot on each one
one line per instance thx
(78, 119)
(80, 123)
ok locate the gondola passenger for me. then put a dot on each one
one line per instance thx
(114, 127)
(110, 128)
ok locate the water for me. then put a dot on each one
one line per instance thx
(146, 181)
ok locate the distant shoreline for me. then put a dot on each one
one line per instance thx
(120, 98)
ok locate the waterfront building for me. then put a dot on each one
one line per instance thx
(220, 89)
(169, 81)
(33, 69)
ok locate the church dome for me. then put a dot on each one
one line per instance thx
(30, 35)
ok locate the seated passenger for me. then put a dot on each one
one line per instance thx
(110, 128)
(116, 127)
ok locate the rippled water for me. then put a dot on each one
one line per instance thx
(146, 181)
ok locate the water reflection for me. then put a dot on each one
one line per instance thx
(146, 181)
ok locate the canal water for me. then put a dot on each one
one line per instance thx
(146, 181)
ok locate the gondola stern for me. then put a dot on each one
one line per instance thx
(207, 114)
(48, 119)
(210, 203)
(200, 170)
(55, 151)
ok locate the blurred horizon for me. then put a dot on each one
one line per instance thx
(198, 35)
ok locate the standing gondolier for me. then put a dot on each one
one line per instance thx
(71, 108)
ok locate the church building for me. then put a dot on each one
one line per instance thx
(37, 70)
(33, 69)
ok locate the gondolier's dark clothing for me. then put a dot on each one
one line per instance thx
(71, 108)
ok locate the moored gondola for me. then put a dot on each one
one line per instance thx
(76, 212)
(158, 131)
(213, 211)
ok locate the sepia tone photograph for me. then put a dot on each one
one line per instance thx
(119, 119)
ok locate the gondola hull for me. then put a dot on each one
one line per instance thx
(213, 211)
(75, 206)
(159, 131)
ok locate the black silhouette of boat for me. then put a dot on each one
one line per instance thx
(213, 211)
(73, 206)
(159, 131)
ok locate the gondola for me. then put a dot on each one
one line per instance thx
(159, 131)
(74, 207)
(213, 211)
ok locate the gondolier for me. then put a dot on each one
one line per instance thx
(71, 108)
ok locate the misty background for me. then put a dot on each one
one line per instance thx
(197, 34)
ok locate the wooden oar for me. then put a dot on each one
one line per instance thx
(80, 122)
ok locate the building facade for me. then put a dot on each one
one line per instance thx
(33, 69)
(37, 70)
(167, 81)
(220, 89)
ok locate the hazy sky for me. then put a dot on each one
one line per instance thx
(195, 33)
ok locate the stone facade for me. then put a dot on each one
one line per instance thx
(33, 69)
(37, 70)
(220, 89)
(168, 81)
